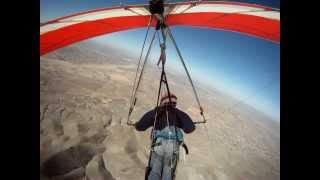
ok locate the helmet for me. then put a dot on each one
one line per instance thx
(165, 100)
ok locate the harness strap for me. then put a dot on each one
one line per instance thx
(184, 145)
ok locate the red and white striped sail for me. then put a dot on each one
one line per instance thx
(259, 21)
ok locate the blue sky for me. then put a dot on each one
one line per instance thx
(245, 67)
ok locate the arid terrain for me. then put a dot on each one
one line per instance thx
(84, 99)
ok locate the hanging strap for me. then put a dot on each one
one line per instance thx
(162, 55)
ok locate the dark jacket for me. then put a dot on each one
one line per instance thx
(176, 118)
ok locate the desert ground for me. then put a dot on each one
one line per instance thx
(84, 99)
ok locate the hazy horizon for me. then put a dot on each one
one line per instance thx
(174, 66)
(256, 95)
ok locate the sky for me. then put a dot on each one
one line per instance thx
(244, 67)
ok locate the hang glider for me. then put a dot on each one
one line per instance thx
(250, 19)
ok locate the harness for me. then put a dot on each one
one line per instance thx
(169, 134)
(160, 137)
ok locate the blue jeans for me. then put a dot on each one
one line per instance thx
(163, 160)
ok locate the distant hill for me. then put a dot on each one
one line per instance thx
(93, 53)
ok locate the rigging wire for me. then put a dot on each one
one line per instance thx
(193, 87)
(188, 75)
(139, 62)
(140, 77)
